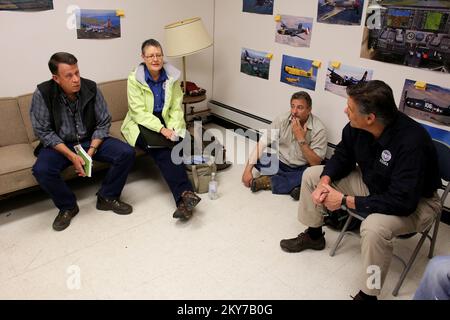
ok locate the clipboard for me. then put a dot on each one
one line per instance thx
(155, 139)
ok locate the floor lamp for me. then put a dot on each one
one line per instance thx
(184, 38)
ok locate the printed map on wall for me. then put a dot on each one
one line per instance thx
(346, 12)
(339, 78)
(98, 24)
(414, 33)
(298, 72)
(26, 5)
(258, 6)
(431, 105)
(255, 63)
(294, 31)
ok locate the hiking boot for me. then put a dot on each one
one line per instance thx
(295, 193)
(301, 242)
(182, 212)
(63, 218)
(115, 205)
(261, 183)
(190, 199)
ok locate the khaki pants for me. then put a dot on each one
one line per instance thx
(377, 230)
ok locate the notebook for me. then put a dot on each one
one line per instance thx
(87, 160)
(155, 139)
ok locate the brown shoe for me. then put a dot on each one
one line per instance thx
(301, 242)
(261, 183)
(190, 199)
(182, 212)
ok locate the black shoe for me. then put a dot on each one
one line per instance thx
(295, 193)
(182, 212)
(301, 242)
(364, 297)
(63, 218)
(115, 205)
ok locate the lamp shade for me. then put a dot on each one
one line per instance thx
(186, 37)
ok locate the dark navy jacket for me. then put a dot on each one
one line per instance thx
(399, 168)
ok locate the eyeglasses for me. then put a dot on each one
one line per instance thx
(158, 56)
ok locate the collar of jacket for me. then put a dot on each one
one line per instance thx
(172, 73)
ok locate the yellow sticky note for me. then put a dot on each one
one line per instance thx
(316, 63)
(420, 85)
(120, 13)
(335, 64)
(277, 18)
(269, 56)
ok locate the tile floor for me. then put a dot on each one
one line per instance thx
(228, 250)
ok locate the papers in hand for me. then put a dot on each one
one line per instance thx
(87, 159)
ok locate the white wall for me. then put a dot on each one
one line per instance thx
(28, 39)
(267, 98)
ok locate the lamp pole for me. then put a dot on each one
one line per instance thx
(184, 74)
(184, 87)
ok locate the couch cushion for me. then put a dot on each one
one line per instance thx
(12, 130)
(115, 93)
(16, 157)
(15, 171)
(115, 132)
(24, 106)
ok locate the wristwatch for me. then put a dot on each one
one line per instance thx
(344, 202)
(302, 142)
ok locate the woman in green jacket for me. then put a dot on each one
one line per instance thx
(154, 102)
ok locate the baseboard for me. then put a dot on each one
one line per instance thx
(233, 118)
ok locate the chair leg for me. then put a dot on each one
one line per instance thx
(341, 235)
(410, 263)
(435, 232)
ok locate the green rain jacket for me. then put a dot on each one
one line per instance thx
(140, 105)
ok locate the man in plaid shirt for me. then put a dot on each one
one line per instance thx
(67, 111)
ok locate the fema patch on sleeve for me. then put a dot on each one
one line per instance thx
(386, 156)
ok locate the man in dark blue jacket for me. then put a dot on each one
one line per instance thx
(386, 168)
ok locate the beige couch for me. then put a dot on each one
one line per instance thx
(17, 140)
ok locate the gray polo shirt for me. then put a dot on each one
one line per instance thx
(280, 136)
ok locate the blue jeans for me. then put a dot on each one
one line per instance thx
(435, 284)
(284, 178)
(174, 174)
(50, 163)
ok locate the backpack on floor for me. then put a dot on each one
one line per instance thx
(336, 220)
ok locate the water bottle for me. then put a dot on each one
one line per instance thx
(212, 189)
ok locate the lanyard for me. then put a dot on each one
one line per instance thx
(73, 113)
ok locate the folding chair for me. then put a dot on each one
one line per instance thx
(443, 152)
